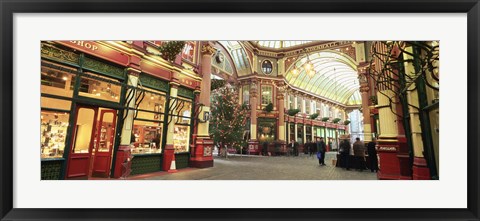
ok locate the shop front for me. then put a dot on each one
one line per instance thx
(148, 132)
(81, 99)
(88, 103)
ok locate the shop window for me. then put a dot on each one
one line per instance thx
(57, 79)
(308, 133)
(54, 125)
(181, 135)
(99, 87)
(147, 137)
(300, 133)
(246, 94)
(148, 124)
(267, 93)
(52, 103)
(292, 131)
(182, 116)
(266, 130)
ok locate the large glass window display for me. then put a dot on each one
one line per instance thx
(148, 123)
(182, 117)
(100, 87)
(266, 129)
(291, 129)
(300, 132)
(54, 125)
(57, 91)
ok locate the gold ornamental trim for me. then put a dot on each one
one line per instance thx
(208, 49)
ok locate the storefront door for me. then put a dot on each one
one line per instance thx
(78, 165)
(92, 142)
(105, 136)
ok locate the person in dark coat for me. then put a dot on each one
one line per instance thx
(294, 147)
(359, 153)
(372, 155)
(313, 148)
(344, 150)
(321, 148)
(265, 148)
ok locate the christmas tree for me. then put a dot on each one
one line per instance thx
(228, 118)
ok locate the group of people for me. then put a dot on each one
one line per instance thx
(359, 154)
(318, 147)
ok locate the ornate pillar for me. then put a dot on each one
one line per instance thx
(281, 113)
(253, 143)
(122, 153)
(202, 156)
(420, 168)
(207, 50)
(128, 123)
(169, 151)
(364, 91)
(392, 143)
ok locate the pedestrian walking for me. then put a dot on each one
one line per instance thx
(344, 150)
(359, 154)
(293, 146)
(265, 148)
(372, 155)
(321, 148)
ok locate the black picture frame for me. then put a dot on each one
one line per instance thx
(9, 7)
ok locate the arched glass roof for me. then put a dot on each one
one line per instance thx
(280, 44)
(239, 57)
(336, 77)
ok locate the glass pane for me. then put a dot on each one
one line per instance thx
(107, 132)
(57, 82)
(53, 103)
(147, 137)
(183, 109)
(181, 136)
(53, 133)
(99, 88)
(307, 106)
(83, 130)
(154, 102)
(266, 95)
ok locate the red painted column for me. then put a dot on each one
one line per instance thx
(202, 156)
(253, 142)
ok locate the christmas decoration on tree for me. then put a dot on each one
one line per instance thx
(268, 108)
(170, 49)
(228, 118)
(217, 83)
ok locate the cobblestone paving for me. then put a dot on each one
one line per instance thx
(302, 167)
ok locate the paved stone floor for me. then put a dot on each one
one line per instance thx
(302, 167)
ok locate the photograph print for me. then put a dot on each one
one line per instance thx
(239, 110)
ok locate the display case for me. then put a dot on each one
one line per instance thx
(53, 134)
(181, 138)
(147, 139)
